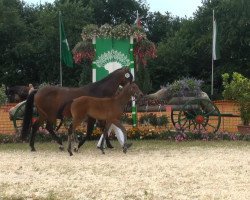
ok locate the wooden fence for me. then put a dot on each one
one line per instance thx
(228, 123)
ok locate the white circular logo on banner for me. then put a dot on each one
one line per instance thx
(112, 60)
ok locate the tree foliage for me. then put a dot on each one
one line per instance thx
(29, 39)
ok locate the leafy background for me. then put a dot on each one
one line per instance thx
(29, 40)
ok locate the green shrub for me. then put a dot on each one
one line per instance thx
(3, 96)
(238, 89)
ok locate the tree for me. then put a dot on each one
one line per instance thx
(161, 26)
(188, 51)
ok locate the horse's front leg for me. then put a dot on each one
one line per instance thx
(49, 127)
(70, 131)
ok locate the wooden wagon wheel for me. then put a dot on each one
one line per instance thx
(199, 116)
(174, 116)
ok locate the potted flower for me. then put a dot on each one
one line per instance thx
(238, 89)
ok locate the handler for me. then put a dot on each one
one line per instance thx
(119, 135)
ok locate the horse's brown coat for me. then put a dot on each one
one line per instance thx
(108, 109)
(50, 101)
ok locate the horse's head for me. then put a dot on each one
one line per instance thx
(126, 76)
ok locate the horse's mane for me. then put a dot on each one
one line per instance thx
(110, 76)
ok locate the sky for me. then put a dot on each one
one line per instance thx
(179, 8)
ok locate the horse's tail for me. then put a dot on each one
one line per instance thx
(28, 112)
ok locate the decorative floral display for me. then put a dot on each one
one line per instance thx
(185, 87)
(105, 31)
(89, 32)
(83, 51)
(122, 31)
(143, 48)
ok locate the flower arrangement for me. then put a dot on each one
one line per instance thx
(89, 31)
(143, 50)
(105, 31)
(83, 50)
(138, 33)
(185, 87)
(121, 31)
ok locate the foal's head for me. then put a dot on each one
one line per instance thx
(133, 90)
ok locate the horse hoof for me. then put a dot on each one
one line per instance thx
(76, 149)
(125, 150)
(109, 145)
(129, 145)
(61, 148)
(33, 149)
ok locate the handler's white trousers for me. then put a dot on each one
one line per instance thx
(118, 133)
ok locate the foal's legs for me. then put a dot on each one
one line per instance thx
(90, 128)
(71, 133)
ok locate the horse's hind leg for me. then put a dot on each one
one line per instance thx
(35, 127)
(49, 127)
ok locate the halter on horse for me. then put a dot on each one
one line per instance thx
(108, 109)
(51, 100)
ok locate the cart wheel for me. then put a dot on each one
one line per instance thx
(174, 116)
(199, 116)
(18, 118)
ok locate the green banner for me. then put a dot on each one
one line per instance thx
(111, 54)
(65, 55)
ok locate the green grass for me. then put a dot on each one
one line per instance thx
(137, 145)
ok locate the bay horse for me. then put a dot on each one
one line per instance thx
(51, 100)
(104, 109)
